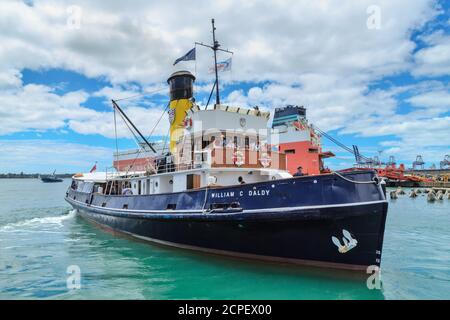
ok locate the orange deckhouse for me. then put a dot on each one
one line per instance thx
(246, 139)
(298, 140)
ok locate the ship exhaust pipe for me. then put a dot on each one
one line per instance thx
(181, 93)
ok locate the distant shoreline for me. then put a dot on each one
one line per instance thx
(32, 175)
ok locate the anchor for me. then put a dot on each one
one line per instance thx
(349, 242)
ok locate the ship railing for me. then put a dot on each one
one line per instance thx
(217, 157)
(163, 164)
(221, 158)
(230, 157)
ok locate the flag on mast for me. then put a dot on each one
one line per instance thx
(94, 168)
(188, 56)
(222, 66)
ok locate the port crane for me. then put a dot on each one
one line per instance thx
(445, 164)
(361, 160)
(391, 161)
(419, 163)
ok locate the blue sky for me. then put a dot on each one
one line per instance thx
(383, 86)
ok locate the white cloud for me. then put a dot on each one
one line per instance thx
(45, 156)
(37, 107)
(103, 123)
(328, 109)
(273, 40)
(354, 110)
(10, 78)
(433, 102)
(131, 94)
(434, 59)
(316, 53)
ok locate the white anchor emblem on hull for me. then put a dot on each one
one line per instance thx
(349, 242)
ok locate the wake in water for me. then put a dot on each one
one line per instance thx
(53, 221)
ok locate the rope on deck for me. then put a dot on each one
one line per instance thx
(354, 181)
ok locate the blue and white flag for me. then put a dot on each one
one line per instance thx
(222, 66)
(188, 56)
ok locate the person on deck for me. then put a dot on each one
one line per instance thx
(127, 192)
(299, 172)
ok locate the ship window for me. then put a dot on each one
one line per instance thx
(289, 151)
(104, 204)
(171, 206)
(125, 206)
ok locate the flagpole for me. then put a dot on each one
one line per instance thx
(215, 47)
(195, 47)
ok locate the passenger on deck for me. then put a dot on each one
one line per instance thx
(127, 192)
(213, 143)
(299, 172)
(241, 180)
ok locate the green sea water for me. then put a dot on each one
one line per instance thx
(40, 237)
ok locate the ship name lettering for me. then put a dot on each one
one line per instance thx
(253, 193)
(222, 194)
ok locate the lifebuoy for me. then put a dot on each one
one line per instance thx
(238, 158)
(299, 126)
(188, 123)
(265, 160)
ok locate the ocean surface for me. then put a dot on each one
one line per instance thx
(40, 238)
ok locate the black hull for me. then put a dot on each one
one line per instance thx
(298, 237)
(51, 180)
(328, 220)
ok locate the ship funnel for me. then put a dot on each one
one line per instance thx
(181, 85)
(181, 91)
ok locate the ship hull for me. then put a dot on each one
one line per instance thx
(51, 180)
(299, 234)
(299, 241)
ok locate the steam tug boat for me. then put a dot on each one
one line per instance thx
(51, 178)
(226, 185)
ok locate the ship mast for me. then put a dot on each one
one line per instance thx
(116, 107)
(215, 47)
